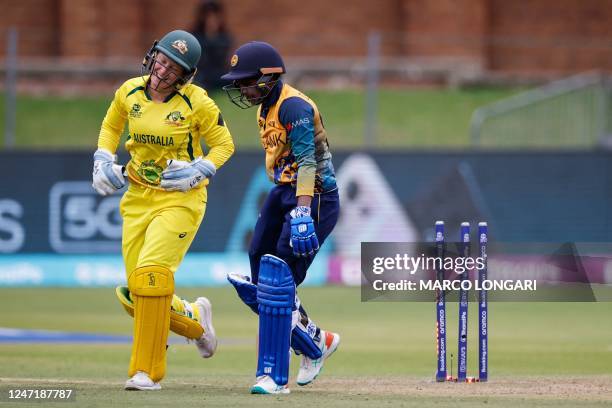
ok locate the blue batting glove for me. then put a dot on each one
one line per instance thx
(183, 176)
(303, 236)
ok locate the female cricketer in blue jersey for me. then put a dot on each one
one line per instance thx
(164, 205)
(297, 216)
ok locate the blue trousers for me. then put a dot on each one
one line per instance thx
(273, 229)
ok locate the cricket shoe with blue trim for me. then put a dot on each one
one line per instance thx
(141, 382)
(266, 385)
(310, 368)
(207, 344)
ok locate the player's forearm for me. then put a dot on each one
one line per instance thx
(304, 201)
(222, 150)
(112, 127)
(306, 180)
(303, 148)
(109, 137)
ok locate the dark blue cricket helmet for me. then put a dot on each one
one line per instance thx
(254, 59)
(257, 61)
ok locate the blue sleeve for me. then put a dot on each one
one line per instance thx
(297, 116)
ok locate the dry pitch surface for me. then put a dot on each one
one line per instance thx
(595, 391)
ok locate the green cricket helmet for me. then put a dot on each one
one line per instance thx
(182, 48)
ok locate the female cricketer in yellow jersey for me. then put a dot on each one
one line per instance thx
(164, 205)
(297, 216)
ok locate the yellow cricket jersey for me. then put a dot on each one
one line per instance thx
(158, 132)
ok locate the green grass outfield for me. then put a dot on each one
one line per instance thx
(407, 118)
(541, 354)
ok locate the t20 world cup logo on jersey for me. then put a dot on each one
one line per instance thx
(136, 111)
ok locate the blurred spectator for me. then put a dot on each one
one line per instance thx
(211, 31)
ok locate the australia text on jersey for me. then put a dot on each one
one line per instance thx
(153, 139)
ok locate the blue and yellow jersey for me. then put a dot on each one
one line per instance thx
(158, 132)
(293, 136)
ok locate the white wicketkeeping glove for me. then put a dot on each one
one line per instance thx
(183, 175)
(107, 175)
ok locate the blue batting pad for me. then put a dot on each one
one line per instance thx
(247, 291)
(276, 298)
(303, 343)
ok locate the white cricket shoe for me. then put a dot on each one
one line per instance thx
(309, 368)
(141, 382)
(207, 344)
(266, 385)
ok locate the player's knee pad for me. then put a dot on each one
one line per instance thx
(179, 323)
(276, 302)
(152, 288)
(246, 290)
(152, 281)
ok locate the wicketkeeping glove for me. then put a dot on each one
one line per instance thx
(107, 175)
(183, 175)
(304, 239)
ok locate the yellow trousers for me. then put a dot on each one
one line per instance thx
(158, 228)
